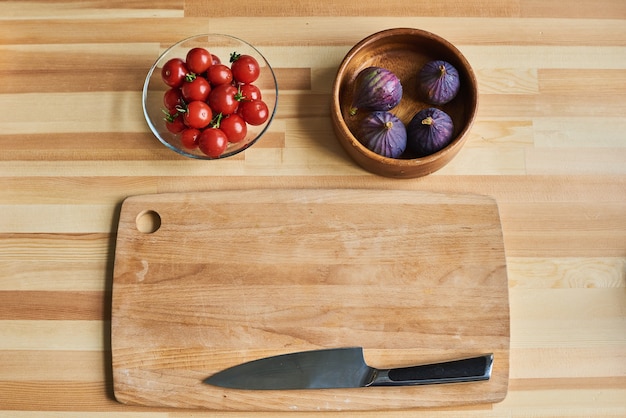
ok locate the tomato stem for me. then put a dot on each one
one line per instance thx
(181, 108)
(169, 117)
(239, 96)
(217, 120)
(234, 56)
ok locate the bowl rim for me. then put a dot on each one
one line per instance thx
(155, 132)
(402, 163)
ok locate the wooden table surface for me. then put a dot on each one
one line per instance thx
(549, 145)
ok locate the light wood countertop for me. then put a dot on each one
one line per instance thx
(549, 144)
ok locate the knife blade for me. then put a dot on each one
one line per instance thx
(344, 368)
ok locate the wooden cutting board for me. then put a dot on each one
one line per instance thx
(205, 281)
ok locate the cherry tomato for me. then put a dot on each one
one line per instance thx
(219, 74)
(254, 112)
(234, 127)
(196, 89)
(189, 138)
(215, 59)
(172, 99)
(174, 72)
(212, 142)
(245, 68)
(198, 115)
(224, 99)
(250, 92)
(198, 60)
(174, 122)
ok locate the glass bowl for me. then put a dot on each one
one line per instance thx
(221, 46)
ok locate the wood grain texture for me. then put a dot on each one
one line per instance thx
(548, 145)
(229, 277)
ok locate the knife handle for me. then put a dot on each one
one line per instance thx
(465, 370)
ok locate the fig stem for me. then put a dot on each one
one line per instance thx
(388, 125)
(442, 69)
(353, 111)
(427, 121)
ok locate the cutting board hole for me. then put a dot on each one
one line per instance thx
(148, 222)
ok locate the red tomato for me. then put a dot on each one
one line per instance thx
(198, 60)
(215, 59)
(254, 112)
(234, 127)
(212, 142)
(198, 115)
(172, 99)
(196, 89)
(174, 72)
(245, 68)
(189, 138)
(224, 99)
(250, 92)
(219, 74)
(174, 122)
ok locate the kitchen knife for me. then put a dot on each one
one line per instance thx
(344, 368)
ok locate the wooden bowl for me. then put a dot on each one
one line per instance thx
(404, 51)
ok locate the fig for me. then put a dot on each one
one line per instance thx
(383, 133)
(429, 131)
(439, 82)
(376, 88)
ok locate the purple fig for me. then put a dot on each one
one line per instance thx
(429, 131)
(376, 88)
(439, 82)
(384, 134)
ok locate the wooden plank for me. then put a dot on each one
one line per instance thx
(592, 82)
(53, 275)
(604, 9)
(51, 9)
(54, 247)
(54, 305)
(579, 161)
(318, 31)
(65, 335)
(47, 188)
(75, 395)
(566, 272)
(492, 8)
(555, 371)
(53, 365)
